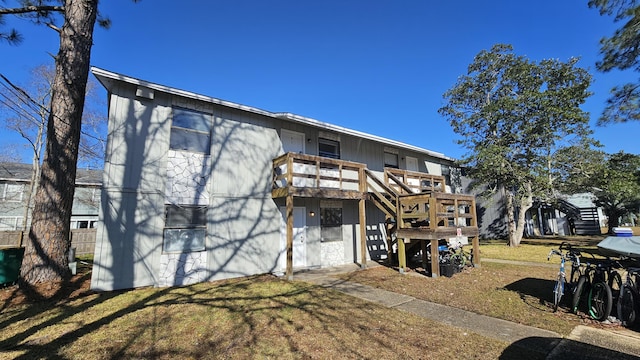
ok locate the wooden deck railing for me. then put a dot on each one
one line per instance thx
(414, 182)
(413, 199)
(316, 173)
(415, 203)
(383, 196)
(437, 210)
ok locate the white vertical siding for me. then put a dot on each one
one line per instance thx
(128, 241)
(138, 140)
(242, 156)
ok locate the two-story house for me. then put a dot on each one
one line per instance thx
(197, 188)
(15, 189)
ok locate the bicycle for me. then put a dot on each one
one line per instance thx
(457, 255)
(627, 306)
(573, 256)
(602, 282)
(451, 252)
(583, 284)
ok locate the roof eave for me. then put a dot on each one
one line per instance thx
(106, 77)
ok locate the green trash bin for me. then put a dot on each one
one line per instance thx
(10, 262)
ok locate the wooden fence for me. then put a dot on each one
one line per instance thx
(83, 240)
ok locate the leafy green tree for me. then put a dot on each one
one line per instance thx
(576, 167)
(621, 51)
(48, 242)
(616, 186)
(614, 179)
(513, 115)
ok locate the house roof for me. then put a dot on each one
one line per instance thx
(15, 171)
(10, 171)
(108, 80)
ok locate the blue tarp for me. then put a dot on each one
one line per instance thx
(621, 245)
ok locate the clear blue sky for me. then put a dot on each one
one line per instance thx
(371, 65)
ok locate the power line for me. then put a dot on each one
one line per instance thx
(32, 104)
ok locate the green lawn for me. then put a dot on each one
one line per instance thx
(269, 318)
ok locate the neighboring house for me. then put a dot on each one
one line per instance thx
(570, 215)
(15, 180)
(197, 189)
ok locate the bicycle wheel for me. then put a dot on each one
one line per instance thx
(600, 301)
(626, 306)
(463, 258)
(458, 261)
(557, 292)
(582, 288)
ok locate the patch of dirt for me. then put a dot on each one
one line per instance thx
(77, 286)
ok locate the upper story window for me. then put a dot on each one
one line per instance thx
(391, 160)
(12, 192)
(191, 131)
(329, 148)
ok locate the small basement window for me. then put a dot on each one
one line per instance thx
(185, 228)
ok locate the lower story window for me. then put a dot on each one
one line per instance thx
(84, 224)
(331, 224)
(185, 228)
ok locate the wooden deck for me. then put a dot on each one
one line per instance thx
(416, 203)
(316, 177)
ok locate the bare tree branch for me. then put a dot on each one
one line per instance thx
(31, 9)
(53, 27)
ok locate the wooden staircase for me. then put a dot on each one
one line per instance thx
(585, 220)
(416, 206)
(417, 210)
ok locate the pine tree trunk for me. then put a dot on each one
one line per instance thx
(48, 243)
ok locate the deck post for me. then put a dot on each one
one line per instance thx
(476, 251)
(363, 217)
(435, 259)
(402, 257)
(363, 234)
(388, 227)
(289, 203)
(475, 241)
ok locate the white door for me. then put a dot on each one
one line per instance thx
(299, 237)
(292, 141)
(412, 163)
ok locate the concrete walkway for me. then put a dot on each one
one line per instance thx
(583, 342)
